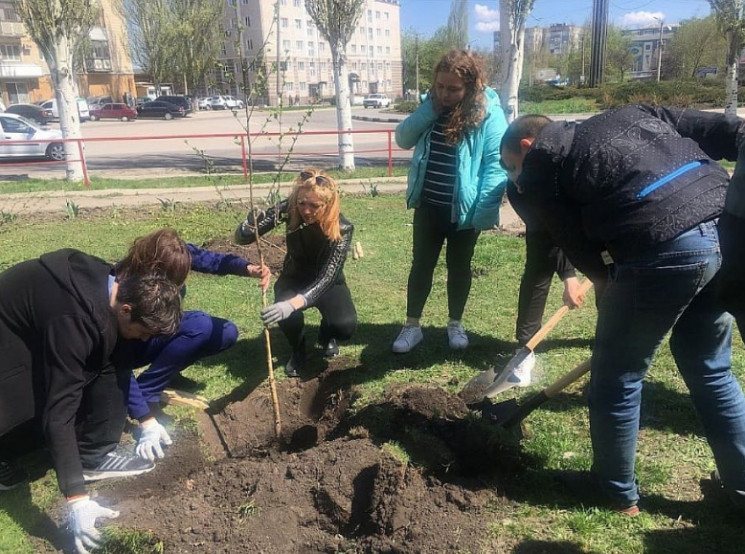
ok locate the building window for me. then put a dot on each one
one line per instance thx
(249, 44)
(377, 14)
(354, 49)
(369, 15)
(9, 14)
(12, 52)
(286, 44)
(303, 86)
(298, 24)
(387, 66)
(285, 22)
(380, 49)
(369, 33)
(299, 44)
(386, 16)
(380, 67)
(371, 50)
(289, 87)
(388, 50)
(321, 46)
(301, 66)
(387, 33)
(224, 50)
(282, 2)
(244, 2)
(363, 66)
(247, 21)
(297, 3)
(379, 32)
(311, 69)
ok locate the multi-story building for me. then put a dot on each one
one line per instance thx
(645, 47)
(106, 71)
(298, 58)
(563, 38)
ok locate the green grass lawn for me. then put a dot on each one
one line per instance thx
(673, 455)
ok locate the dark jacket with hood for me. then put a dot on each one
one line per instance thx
(628, 178)
(57, 332)
(313, 262)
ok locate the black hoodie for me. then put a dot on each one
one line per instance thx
(57, 333)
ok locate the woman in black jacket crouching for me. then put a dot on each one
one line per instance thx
(318, 239)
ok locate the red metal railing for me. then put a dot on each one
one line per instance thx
(387, 147)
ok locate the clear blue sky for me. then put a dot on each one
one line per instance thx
(424, 16)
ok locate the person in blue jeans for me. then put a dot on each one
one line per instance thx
(199, 335)
(633, 194)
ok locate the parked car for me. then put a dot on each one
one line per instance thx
(157, 108)
(376, 101)
(31, 111)
(226, 102)
(182, 101)
(99, 100)
(140, 100)
(114, 111)
(204, 103)
(51, 107)
(16, 127)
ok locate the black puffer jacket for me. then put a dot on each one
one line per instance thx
(628, 178)
(313, 262)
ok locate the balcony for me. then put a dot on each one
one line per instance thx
(12, 29)
(98, 65)
(20, 70)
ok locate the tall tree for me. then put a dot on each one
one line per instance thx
(424, 52)
(198, 35)
(697, 43)
(512, 17)
(618, 56)
(457, 27)
(336, 21)
(730, 17)
(58, 27)
(152, 36)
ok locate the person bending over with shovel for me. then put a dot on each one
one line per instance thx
(640, 184)
(199, 335)
(60, 318)
(318, 239)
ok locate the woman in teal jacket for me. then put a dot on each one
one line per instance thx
(455, 186)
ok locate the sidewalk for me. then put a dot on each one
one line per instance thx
(57, 201)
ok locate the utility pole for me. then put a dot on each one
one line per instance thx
(582, 75)
(599, 39)
(659, 53)
(279, 47)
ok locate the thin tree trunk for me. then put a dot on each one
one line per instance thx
(66, 93)
(512, 34)
(730, 101)
(343, 111)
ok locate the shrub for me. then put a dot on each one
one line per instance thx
(406, 106)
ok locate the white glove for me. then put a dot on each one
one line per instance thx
(153, 433)
(83, 515)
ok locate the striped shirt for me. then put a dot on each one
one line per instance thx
(439, 180)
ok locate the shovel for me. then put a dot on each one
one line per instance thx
(490, 383)
(509, 413)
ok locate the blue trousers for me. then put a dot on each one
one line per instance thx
(200, 335)
(670, 287)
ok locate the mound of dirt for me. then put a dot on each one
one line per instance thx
(272, 247)
(334, 482)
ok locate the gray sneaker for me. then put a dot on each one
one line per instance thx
(407, 339)
(116, 465)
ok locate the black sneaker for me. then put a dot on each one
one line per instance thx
(11, 476)
(330, 349)
(116, 465)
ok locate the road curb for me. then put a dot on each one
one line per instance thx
(378, 119)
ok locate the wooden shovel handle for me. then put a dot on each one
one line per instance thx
(559, 385)
(551, 323)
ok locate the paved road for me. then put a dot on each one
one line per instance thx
(137, 152)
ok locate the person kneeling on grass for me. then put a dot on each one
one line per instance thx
(60, 318)
(318, 239)
(199, 335)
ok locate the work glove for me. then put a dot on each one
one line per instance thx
(153, 433)
(276, 312)
(83, 514)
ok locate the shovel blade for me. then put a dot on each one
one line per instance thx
(500, 412)
(517, 373)
(473, 391)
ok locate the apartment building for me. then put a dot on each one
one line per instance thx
(645, 48)
(106, 71)
(298, 57)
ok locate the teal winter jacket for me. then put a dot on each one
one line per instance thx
(480, 179)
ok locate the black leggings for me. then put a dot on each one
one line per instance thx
(432, 226)
(542, 259)
(338, 315)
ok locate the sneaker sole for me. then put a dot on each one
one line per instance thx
(89, 477)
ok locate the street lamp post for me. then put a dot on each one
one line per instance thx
(659, 50)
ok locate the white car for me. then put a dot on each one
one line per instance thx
(226, 103)
(376, 101)
(16, 127)
(83, 109)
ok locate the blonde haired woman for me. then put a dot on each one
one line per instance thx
(318, 239)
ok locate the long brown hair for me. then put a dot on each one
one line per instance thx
(470, 112)
(325, 187)
(161, 252)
